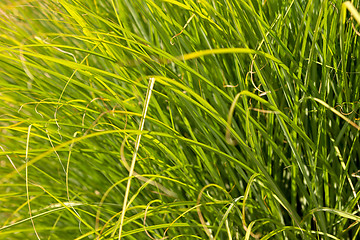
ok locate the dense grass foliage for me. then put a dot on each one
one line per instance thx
(249, 130)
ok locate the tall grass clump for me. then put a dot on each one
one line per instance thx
(179, 119)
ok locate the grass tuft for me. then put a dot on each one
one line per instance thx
(241, 119)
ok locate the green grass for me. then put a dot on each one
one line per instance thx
(250, 131)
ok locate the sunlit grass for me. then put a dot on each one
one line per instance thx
(251, 127)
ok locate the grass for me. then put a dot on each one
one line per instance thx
(177, 119)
